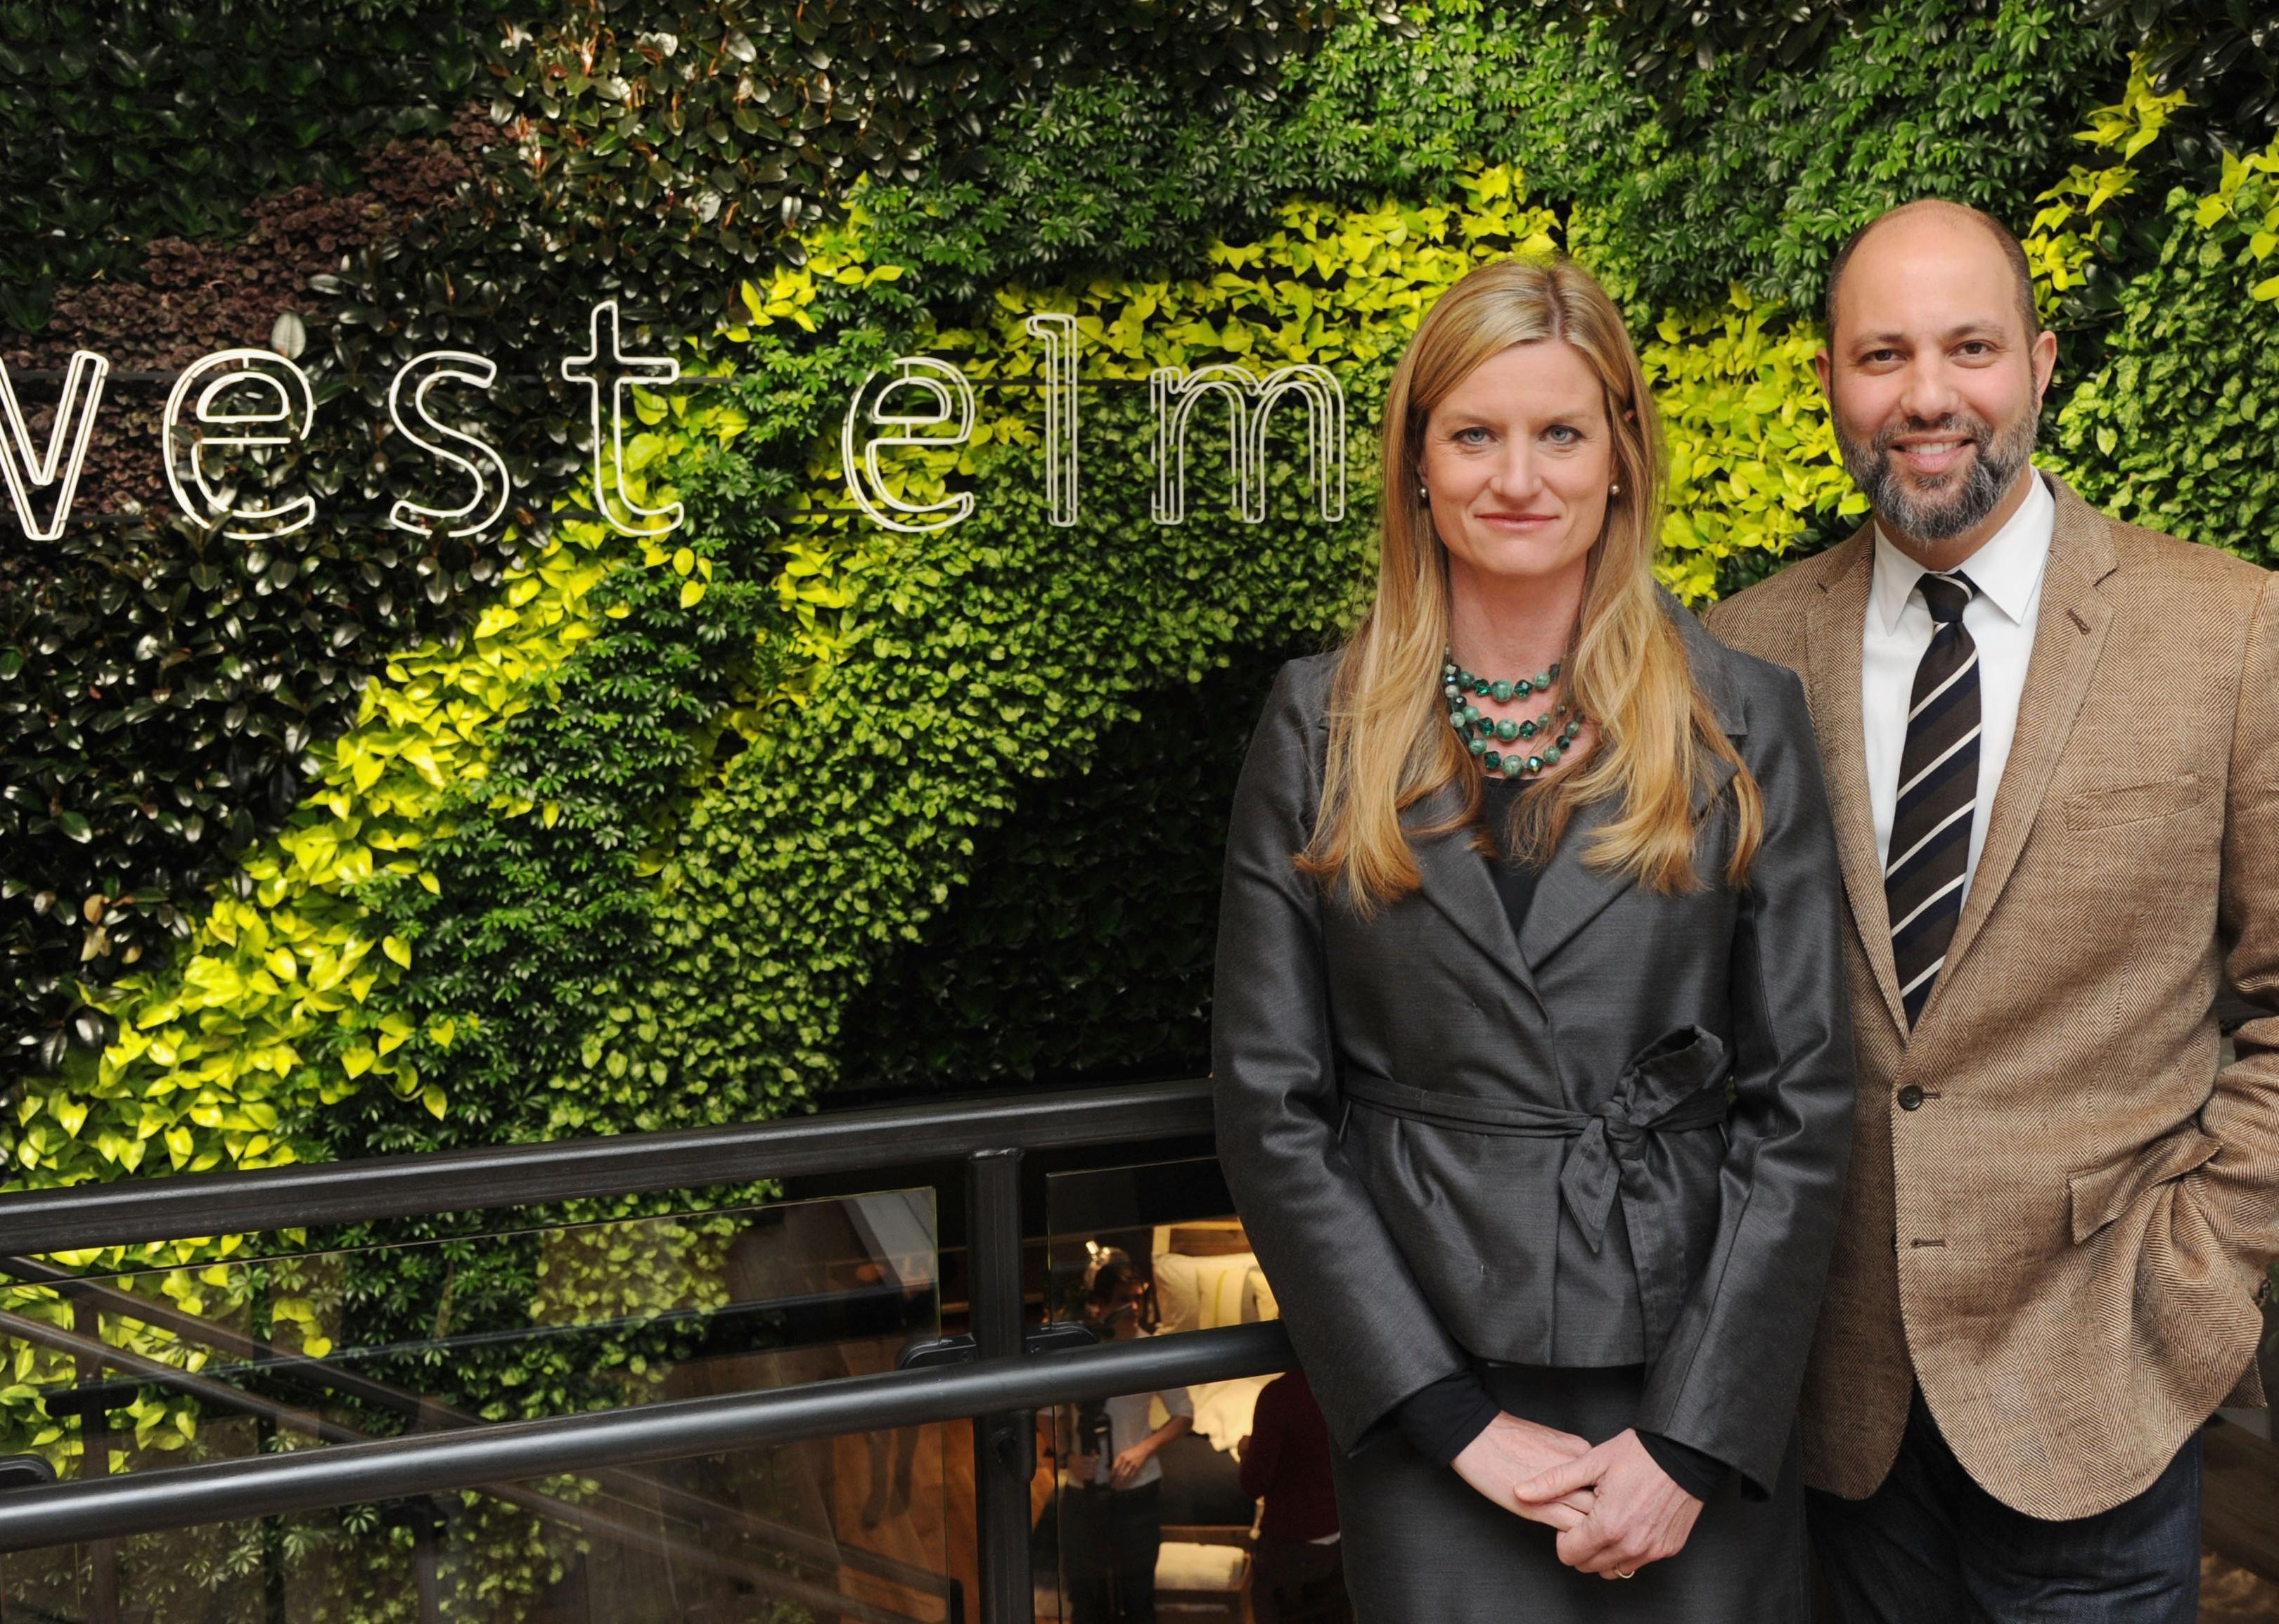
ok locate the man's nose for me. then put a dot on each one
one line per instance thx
(1929, 395)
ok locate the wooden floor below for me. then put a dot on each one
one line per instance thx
(2239, 1519)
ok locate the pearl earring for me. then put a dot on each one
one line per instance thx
(1423, 492)
(1613, 490)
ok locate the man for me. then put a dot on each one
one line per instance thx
(2053, 747)
(1297, 1566)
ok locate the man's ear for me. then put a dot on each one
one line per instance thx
(1821, 364)
(2044, 357)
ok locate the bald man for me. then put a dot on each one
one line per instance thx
(2053, 747)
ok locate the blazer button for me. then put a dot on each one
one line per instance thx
(1911, 1098)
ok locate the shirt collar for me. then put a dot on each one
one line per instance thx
(2006, 569)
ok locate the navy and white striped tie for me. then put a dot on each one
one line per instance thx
(1938, 795)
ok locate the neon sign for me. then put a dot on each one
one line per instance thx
(618, 374)
(950, 396)
(252, 400)
(480, 462)
(24, 469)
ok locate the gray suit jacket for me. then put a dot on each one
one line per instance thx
(1617, 1139)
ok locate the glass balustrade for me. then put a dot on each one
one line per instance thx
(217, 1351)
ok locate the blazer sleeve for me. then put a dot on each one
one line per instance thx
(2242, 1114)
(1360, 1325)
(1726, 1380)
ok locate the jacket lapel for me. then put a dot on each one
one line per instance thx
(1833, 629)
(1455, 880)
(2069, 634)
(1571, 893)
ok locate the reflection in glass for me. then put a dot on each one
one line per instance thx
(226, 1354)
(1156, 1250)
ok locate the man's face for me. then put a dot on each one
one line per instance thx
(1933, 381)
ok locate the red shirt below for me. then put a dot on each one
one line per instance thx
(1287, 1463)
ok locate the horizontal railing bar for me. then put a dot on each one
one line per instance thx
(555, 1446)
(320, 1376)
(313, 1195)
(592, 1519)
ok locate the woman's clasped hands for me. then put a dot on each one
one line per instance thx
(1616, 1509)
(1613, 1509)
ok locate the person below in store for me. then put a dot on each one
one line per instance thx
(1112, 1573)
(1285, 1463)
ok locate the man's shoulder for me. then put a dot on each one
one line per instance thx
(1768, 619)
(1737, 678)
(2154, 561)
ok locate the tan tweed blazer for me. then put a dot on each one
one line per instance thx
(2064, 1241)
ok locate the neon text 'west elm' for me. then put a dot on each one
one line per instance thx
(242, 400)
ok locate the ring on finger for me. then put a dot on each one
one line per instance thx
(1626, 1573)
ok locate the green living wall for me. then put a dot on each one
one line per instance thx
(364, 841)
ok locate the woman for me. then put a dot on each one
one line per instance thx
(1533, 1070)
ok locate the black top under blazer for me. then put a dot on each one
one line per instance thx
(1618, 1139)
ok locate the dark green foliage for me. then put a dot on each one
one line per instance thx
(1737, 176)
(674, 146)
(1081, 944)
(2224, 53)
(1760, 178)
(162, 687)
(143, 118)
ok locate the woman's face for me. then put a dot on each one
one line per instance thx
(1517, 458)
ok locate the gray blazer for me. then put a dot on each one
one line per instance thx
(1619, 1139)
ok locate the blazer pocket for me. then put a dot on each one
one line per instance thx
(2133, 803)
(2102, 1194)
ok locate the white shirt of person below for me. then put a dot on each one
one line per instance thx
(1128, 1424)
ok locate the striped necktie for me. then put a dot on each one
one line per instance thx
(1939, 792)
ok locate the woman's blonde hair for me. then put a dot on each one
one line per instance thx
(1390, 742)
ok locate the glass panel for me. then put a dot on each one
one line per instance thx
(1148, 1250)
(213, 1359)
(849, 1528)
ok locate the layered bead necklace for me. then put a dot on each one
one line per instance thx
(1483, 733)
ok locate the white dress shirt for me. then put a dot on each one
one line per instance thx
(2007, 570)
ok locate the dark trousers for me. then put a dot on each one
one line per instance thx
(1292, 1580)
(1931, 1547)
(1110, 1539)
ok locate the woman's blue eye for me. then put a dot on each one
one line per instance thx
(1465, 436)
(1561, 434)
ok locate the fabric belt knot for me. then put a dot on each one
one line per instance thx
(1677, 1084)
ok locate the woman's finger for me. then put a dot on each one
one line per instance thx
(1581, 1472)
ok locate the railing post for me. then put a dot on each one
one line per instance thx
(1005, 1444)
(94, 1461)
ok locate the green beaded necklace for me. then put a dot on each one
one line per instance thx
(1481, 733)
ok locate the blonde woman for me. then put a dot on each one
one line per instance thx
(1534, 1072)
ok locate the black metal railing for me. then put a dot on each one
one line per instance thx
(997, 1374)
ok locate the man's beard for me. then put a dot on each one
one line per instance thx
(1962, 501)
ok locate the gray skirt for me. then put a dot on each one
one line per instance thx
(1422, 1546)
